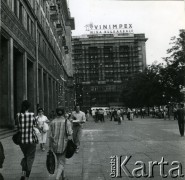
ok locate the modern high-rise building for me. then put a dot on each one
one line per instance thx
(36, 62)
(102, 65)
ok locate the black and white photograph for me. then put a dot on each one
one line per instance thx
(92, 89)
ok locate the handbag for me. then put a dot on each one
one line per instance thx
(45, 127)
(50, 162)
(71, 146)
(17, 138)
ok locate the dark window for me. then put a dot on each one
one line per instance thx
(21, 12)
(15, 7)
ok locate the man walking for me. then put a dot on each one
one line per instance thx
(180, 118)
(77, 118)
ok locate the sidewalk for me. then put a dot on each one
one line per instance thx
(145, 139)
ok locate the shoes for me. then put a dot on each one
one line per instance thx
(77, 150)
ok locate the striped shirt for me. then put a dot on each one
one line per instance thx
(58, 138)
(26, 122)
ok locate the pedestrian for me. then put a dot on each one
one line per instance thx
(42, 121)
(142, 113)
(131, 114)
(26, 122)
(94, 114)
(104, 114)
(58, 140)
(2, 157)
(175, 113)
(119, 118)
(101, 115)
(87, 115)
(114, 115)
(78, 118)
(128, 113)
(180, 118)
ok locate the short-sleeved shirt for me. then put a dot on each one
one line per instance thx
(78, 116)
(26, 122)
(41, 120)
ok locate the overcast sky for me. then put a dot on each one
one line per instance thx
(159, 20)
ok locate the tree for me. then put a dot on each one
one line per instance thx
(159, 84)
(174, 73)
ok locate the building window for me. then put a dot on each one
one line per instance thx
(20, 12)
(15, 7)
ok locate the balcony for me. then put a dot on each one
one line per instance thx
(59, 29)
(66, 49)
(54, 12)
(63, 41)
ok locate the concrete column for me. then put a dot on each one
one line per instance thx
(25, 81)
(10, 85)
(47, 92)
(35, 85)
(52, 96)
(42, 88)
(37, 65)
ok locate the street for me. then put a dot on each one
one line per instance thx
(145, 140)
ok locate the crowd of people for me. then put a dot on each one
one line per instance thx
(38, 128)
(177, 111)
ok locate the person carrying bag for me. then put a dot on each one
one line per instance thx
(58, 140)
(26, 138)
(71, 146)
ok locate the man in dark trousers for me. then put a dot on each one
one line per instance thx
(180, 118)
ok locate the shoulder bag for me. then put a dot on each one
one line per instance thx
(71, 146)
(51, 162)
(17, 136)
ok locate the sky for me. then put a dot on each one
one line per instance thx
(158, 20)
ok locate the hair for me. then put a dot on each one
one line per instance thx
(60, 111)
(40, 109)
(25, 106)
(76, 106)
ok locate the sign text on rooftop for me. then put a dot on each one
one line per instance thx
(109, 29)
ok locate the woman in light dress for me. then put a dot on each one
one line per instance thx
(43, 126)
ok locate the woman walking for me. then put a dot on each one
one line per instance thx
(26, 121)
(58, 140)
(43, 126)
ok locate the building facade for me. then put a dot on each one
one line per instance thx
(102, 65)
(36, 62)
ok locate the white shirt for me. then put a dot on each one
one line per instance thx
(80, 116)
(41, 120)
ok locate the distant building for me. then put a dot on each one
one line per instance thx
(36, 62)
(103, 62)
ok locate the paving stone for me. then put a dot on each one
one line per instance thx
(144, 139)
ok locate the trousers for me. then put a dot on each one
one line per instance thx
(77, 132)
(29, 156)
(181, 127)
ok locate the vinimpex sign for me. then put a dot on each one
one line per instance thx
(109, 29)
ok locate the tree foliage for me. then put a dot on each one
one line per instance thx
(159, 84)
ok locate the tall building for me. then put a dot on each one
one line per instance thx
(102, 65)
(36, 62)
